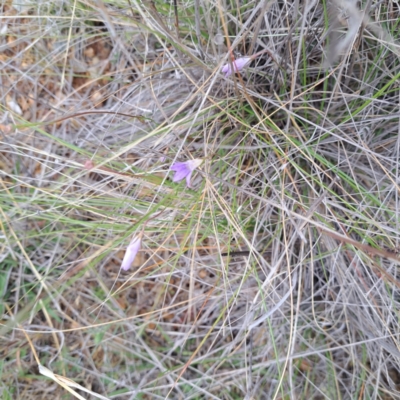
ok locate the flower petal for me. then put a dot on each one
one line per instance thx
(238, 65)
(226, 69)
(193, 164)
(131, 253)
(178, 166)
(179, 175)
(185, 169)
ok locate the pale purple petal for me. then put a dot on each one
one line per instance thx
(178, 166)
(193, 164)
(179, 175)
(238, 65)
(181, 171)
(226, 69)
(131, 253)
(185, 169)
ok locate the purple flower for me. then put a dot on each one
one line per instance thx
(185, 169)
(131, 253)
(238, 65)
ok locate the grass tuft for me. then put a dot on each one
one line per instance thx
(275, 276)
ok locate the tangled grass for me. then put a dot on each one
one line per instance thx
(275, 277)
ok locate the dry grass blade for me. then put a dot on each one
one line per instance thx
(68, 384)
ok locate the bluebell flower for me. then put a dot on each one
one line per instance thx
(131, 252)
(185, 169)
(237, 65)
